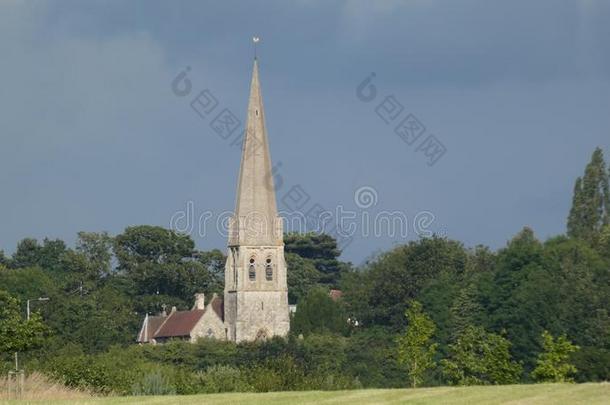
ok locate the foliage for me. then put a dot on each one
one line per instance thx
(4, 261)
(485, 305)
(220, 378)
(30, 253)
(415, 348)
(97, 251)
(97, 320)
(302, 277)
(479, 357)
(17, 334)
(399, 276)
(553, 363)
(590, 210)
(28, 283)
(465, 310)
(318, 313)
(322, 250)
(161, 261)
(153, 383)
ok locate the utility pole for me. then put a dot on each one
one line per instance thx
(40, 299)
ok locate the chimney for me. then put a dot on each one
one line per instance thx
(199, 301)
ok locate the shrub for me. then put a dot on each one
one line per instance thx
(221, 378)
(153, 383)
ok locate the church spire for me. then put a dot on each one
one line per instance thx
(255, 221)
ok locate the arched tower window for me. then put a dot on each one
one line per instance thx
(252, 270)
(268, 270)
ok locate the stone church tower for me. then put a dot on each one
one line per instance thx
(256, 293)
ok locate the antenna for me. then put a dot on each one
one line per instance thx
(255, 40)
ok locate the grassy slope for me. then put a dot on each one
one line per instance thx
(508, 394)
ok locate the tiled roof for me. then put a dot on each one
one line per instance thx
(179, 323)
(149, 327)
(217, 305)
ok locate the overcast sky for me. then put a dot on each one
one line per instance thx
(93, 138)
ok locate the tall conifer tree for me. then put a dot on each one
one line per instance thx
(591, 201)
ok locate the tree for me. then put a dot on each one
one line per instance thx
(48, 256)
(604, 242)
(318, 313)
(97, 249)
(521, 280)
(27, 253)
(400, 275)
(151, 244)
(415, 349)
(553, 363)
(322, 249)
(302, 277)
(161, 261)
(465, 310)
(214, 262)
(4, 261)
(28, 283)
(17, 334)
(96, 320)
(479, 357)
(590, 210)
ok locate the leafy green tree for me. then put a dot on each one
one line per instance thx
(372, 356)
(302, 277)
(97, 249)
(318, 313)
(4, 261)
(27, 253)
(95, 320)
(574, 302)
(28, 283)
(465, 310)
(590, 210)
(322, 249)
(553, 363)
(479, 357)
(214, 262)
(604, 242)
(521, 281)
(438, 297)
(162, 262)
(415, 349)
(147, 244)
(380, 295)
(48, 256)
(17, 334)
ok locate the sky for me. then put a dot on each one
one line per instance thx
(98, 131)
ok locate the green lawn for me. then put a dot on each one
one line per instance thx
(508, 394)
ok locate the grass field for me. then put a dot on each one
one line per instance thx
(508, 394)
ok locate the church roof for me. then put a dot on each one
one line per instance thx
(149, 327)
(218, 305)
(179, 323)
(255, 222)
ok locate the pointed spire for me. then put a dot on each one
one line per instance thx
(255, 221)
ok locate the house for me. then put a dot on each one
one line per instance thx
(200, 322)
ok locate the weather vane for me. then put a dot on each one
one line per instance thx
(255, 40)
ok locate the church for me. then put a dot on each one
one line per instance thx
(255, 302)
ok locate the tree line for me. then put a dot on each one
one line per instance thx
(428, 312)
